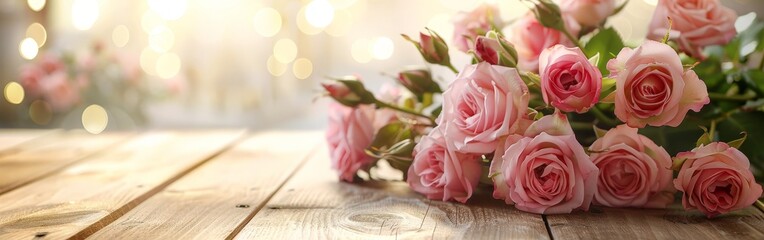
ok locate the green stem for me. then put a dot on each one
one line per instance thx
(572, 38)
(453, 69)
(761, 66)
(396, 108)
(719, 96)
(602, 117)
(581, 126)
(712, 130)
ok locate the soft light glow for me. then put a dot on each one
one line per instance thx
(748, 48)
(341, 24)
(84, 14)
(267, 22)
(95, 119)
(744, 22)
(161, 39)
(120, 36)
(443, 25)
(40, 112)
(14, 93)
(651, 2)
(382, 49)
(168, 65)
(302, 68)
(275, 67)
(360, 50)
(28, 48)
(151, 20)
(37, 32)
(169, 9)
(304, 26)
(285, 50)
(342, 4)
(148, 61)
(319, 13)
(36, 5)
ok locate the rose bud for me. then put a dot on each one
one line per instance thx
(496, 50)
(549, 15)
(442, 173)
(469, 25)
(698, 24)
(349, 133)
(588, 12)
(349, 91)
(634, 171)
(716, 179)
(530, 38)
(653, 88)
(418, 81)
(432, 47)
(569, 82)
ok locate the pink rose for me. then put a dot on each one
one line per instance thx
(653, 88)
(716, 179)
(699, 23)
(61, 93)
(588, 12)
(546, 173)
(440, 172)
(389, 93)
(568, 81)
(634, 171)
(484, 103)
(531, 38)
(349, 133)
(469, 25)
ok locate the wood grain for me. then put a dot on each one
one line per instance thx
(315, 205)
(90, 194)
(11, 137)
(213, 200)
(674, 223)
(37, 158)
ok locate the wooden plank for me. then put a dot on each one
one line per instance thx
(674, 223)
(42, 156)
(90, 194)
(314, 205)
(11, 137)
(211, 201)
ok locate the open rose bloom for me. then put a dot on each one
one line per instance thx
(695, 23)
(568, 81)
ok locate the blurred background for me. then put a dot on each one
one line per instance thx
(147, 64)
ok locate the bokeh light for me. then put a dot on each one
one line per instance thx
(37, 32)
(28, 48)
(168, 65)
(302, 68)
(95, 119)
(40, 112)
(161, 39)
(267, 22)
(84, 14)
(304, 26)
(275, 67)
(651, 2)
(360, 50)
(151, 20)
(382, 49)
(36, 5)
(285, 50)
(14, 93)
(319, 13)
(148, 61)
(341, 24)
(169, 9)
(120, 36)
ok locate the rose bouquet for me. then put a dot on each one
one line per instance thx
(554, 81)
(64, 83)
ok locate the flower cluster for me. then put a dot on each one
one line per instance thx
(518, 118)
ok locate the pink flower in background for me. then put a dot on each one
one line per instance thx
(568, 81)
(390, 94)
(716, 179)
(440, 172)
(699, 23)
(469, 25)
(531, 38)
(588, 12)
(634, 171)
(653, 88)
(546, 173)
(484, 103)
(349, 133)
(61, 93)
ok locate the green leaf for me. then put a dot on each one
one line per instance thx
(703, 139)
(754, 78)
(710, 71)
(751, 123)
(389, 135)
(738, 142)
(607, 43)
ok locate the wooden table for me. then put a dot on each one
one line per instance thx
(225, 184)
